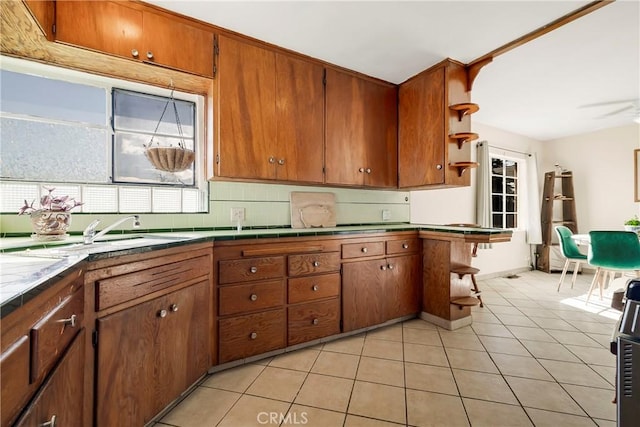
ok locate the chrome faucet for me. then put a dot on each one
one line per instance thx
(89, 234)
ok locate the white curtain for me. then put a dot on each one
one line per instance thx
(534, 228)
(483, 188)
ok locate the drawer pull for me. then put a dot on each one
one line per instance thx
(405, 246)
(253, 270)
(316, 264)
(383, 267)
(314, 288)
(315, 321)
(50, 423)
(361, 170)
(173, 307)
(390, 266)
(368, 170)
(281, 162)
(135, 53)
(71, 321)
(150, 55)
(364, 250)
(162, 313)
(253, 297)
(253, 335)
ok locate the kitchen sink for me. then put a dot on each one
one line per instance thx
(130, 241)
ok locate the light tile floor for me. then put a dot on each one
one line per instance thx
(532, 356)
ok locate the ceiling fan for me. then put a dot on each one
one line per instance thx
(626, 107)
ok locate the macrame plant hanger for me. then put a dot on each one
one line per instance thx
(170, 159)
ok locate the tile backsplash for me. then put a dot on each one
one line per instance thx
(268, 204)
(264, 204)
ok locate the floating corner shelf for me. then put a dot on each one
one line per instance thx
(462, 137)
(462, 302)
(464, 109)
(463, 166)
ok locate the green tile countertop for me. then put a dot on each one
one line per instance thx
(20, 278)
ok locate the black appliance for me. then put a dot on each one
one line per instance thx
(627, 350)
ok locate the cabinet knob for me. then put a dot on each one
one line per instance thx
(316, 264)
(281, 162)
(135, 53)
(162, 313)
(149, 55)
(390, 266)
(368, 170)
(361, 170)
(253, 270)
(253, 297)
(383, 267)
(438, 167)
(50, 423)
(173, 307)
(315, 321)
(405, 246)
(315, 288)
(253, 335)
(272, 159)
(364, 250)
(71, 321)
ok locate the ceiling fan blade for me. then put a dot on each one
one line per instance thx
(618, 111)
(604, 104)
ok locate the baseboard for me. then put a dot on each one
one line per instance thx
(447, 324)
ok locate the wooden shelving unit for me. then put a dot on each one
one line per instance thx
(553, 202)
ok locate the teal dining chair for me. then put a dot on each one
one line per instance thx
(570, 251)
(614, 251)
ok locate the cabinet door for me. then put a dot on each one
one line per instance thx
(44, 13)
(422, 142)
(345, 129)
(381, 135)
(403, 285)
(300, 119)
(177, 44)
(148, 354)
(247, 125)
(363, 297)
(61, 397)
(110, 27)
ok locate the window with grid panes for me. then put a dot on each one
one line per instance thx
(504, 192)
(56, 131)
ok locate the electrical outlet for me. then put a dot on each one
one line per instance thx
(237, 214)
(386, 214)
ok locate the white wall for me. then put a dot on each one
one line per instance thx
(444, 206)
(603, 170)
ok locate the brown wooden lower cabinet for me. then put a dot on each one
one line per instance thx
(363, 298)
(378, 290)
(150, 353)
(251, 334)
(315, 320)
(59, 400)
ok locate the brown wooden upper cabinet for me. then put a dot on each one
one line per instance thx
(427, 151)
(361, 131)
(270, 114)
(130, 30)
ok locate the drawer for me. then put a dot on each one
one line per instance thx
(244, 270)
(314, 320)
(14, 370)
(359, 250)
(236, 299)
(303, 289)
(125, 287)
(52, 334)
(252, 334)
(302, 265)
(402, 246)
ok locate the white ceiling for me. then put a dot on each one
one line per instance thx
(539, 89)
